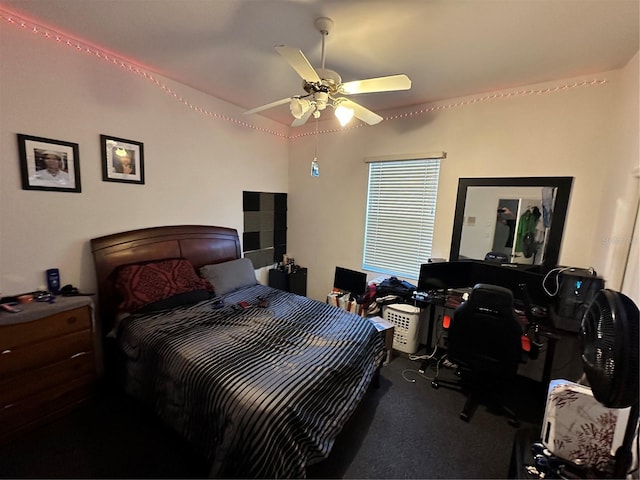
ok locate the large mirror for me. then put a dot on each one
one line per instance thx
(516, 220)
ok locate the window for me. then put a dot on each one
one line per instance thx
(401, 208)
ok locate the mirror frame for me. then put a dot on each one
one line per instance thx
(563, 186)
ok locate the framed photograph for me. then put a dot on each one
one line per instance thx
(122, 160)
(51, 165)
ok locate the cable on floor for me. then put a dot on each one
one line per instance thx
(413, 380)
(424, 357)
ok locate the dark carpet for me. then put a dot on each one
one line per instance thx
(403, 429)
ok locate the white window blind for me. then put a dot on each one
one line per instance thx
(401, 208)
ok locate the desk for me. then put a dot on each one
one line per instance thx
(550, 363)
(560, 359)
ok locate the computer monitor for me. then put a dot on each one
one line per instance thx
(466, 274)
(512, 278)
(442, 275)
(350, 281)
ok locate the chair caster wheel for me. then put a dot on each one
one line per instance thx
(435, 385)
(464, 416)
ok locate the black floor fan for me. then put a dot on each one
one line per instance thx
(610, 360)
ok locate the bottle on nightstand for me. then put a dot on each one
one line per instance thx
(53, 280)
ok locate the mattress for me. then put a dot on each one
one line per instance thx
(260, 391)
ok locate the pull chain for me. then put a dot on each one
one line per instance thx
(315, 168)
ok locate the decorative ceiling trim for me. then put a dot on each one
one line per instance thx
(132, 67)
(84, 47)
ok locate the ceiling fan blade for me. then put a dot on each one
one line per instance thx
(298, 62)
(298, 122)
(380, 84)
(267, 106)
(361, 112)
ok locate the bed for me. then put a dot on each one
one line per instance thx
(260, 392)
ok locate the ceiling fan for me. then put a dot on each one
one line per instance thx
(324, 87)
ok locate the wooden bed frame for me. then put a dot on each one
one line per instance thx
(200, 244)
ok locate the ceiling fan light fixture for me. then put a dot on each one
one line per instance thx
(320, 100)
(299, 107)
(323, 87)
(344, 114)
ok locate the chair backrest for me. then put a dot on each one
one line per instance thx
(485, 333)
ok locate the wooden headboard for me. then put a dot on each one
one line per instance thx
(200, 244)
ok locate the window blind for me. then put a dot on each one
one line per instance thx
(401, 207)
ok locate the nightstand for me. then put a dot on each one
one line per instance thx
(48, 362)
(294, 282)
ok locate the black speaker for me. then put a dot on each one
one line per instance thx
(53, 280)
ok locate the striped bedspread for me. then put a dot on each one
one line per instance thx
(261, 392)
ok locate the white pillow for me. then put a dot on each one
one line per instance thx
(230, 276)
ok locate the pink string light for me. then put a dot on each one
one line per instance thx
(132, 67)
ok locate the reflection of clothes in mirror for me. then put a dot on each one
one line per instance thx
(547, 205)
(529, 246)
(527, 227)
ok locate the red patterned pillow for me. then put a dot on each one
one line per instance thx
(140, 284)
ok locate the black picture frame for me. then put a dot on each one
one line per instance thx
(49, 165)
(122, 160)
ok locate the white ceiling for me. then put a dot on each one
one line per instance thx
(448, 48)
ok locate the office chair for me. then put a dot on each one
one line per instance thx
(484, 342)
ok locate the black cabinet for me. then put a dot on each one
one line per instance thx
(294, 282)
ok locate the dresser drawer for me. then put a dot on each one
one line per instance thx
(45, 406)
(61, 323)
(26, 357)
(31, 382)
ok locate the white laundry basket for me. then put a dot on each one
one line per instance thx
(406, 323)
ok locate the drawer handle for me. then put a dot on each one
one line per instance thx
(8, 405)
(79, 354)
(4, 352)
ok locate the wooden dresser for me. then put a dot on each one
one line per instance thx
(48, 362)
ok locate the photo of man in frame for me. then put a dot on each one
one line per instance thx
(51, 169)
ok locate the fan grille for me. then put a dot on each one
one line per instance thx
(610, 349)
